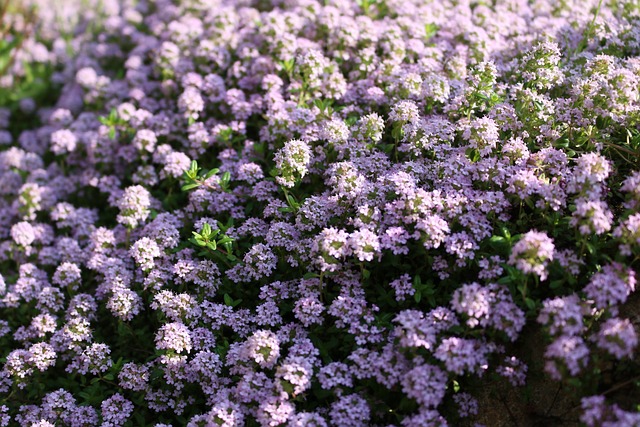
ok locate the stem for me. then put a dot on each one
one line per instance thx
(621, 385)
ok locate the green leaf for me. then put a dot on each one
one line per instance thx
(417, 296)
(292, 202)
(555, 284)
(225, 240)
(430, 30)
(188, 187)
(228, 300)
(212, 245)
(473, 154)
(416, 281)
(194, 166)
(497, 239)
(531, 304)
(210, 173)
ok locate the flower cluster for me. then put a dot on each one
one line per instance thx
(324, 213)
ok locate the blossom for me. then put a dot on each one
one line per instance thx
(174, 336)
(292, 161)
(134, 206)
(532, 253)
(63, 141)
(426, 384)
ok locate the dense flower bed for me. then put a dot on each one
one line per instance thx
(305, 213)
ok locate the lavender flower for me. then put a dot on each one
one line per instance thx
(292, 162)
(611, 286)
(426, 384)
(134, 206)
(532, 253)
(174, 336)
(63, 141)
(618, 337)
(116, 410)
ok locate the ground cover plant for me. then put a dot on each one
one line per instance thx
(317, 213)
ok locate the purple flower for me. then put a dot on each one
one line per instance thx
(618, 337)
(563, 315)
(350, 410)
(461, 354)
(532, 253)
(292, 161)
(566, 354)
(134, 206)
(116, 410)
(611, 286)
(23, 233)
(263, 347)
(63, 141)
(514, 370)
(426, 384)
(174, 336)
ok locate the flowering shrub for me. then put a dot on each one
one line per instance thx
(307, 213)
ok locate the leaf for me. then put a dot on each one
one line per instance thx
(188, 187)
(555, 284)
(292, 202)
(473, 155)
(210, 173)
(416, 281)
(194, 166)
(225, 240)
(506, 233)
(430, 30)
(417, 296)
(228, 300)
(497, 239)
(531, 304)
